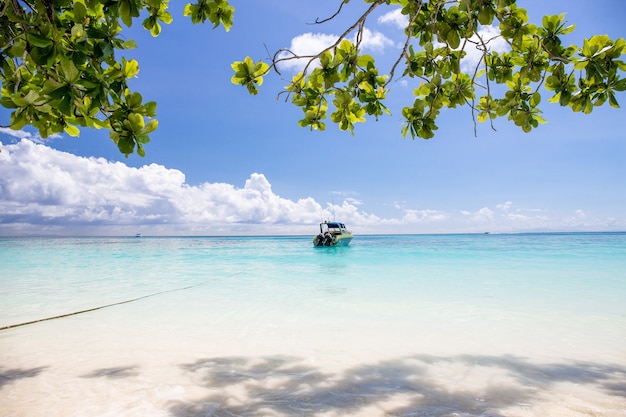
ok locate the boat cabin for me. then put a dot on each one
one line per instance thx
(333, 228)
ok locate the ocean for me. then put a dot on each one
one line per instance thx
(492, 325)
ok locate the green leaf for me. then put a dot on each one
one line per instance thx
(131, 68)
(51, 85)
(486, 15)
(136, 122)
(249, 74)
(134, 100)
(71, 130)
(166, 17)
(129, 44)
(126, 145)
(70, 72)
(8, 103)
(149, 22)
(150, 127)
(453, 39)
(78, 33)
(155, 30)
(535, 99)
(26, 100)
(191, 10)
(80, 11)
(38, 40)
(125, 12)
(18, 120)
(140, 150)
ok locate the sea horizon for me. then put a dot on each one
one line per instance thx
(302, 235)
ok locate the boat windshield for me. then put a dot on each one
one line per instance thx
(332, 227)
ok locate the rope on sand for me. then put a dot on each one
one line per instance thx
(11, 326)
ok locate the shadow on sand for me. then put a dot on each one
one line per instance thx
(420, 385)
(113, 373)
(8, 376)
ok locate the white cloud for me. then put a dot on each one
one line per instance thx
(354, 201)
(42, 185)
(488, 35)
(505, 206)
(311, 44)
(424, 216)
(483, 215)
(46, 191)
(307, 44)
(22, 134)
(375, 41)
(395, 18)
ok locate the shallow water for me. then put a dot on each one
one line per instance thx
(427, 325)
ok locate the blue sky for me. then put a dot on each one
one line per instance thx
(225, 162)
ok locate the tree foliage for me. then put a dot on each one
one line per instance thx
(60, 67)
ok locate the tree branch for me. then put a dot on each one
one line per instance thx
(360, 24)
(407, 42)
(319, 22)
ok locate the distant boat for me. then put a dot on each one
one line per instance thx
(332, 234)
(138, 235)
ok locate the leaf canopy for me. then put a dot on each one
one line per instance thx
(60, 68)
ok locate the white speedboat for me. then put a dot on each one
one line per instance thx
(332, 234)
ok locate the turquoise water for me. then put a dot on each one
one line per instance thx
(460, 312)
(582, 273)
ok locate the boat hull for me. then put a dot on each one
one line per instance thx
(332, 234)
(338, 240)
(343, 240)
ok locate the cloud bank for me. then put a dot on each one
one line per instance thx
(44, 191)
(54, 190)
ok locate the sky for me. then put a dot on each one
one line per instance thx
(223, 162)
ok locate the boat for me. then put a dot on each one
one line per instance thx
(332, 234)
